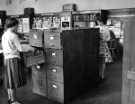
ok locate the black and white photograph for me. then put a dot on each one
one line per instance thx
(67, 52)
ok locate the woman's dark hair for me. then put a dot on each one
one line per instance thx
(11, 22)
(103, 16)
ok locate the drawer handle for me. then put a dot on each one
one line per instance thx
(51, 38)
(54, 86)
(35, 36)
(53, 54)
(37, 66)
(54, 70)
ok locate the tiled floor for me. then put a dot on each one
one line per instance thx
(107, 92)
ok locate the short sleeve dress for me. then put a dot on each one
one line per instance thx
(14, 73)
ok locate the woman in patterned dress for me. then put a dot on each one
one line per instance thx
(104, 51)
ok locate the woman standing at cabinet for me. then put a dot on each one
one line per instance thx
(14, 72)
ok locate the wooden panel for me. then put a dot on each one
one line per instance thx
(91, 41)
(128, 89)
(132, 61)
(126, 61)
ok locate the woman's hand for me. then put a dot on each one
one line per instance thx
(27, 48)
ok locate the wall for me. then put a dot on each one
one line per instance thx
(3, 5)
(43, 6)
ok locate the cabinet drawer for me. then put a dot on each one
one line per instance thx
(39, 80)
(52, 41)
(55, 91)
(55, 73)
(33, 58)
(36, 38)
(54, 57)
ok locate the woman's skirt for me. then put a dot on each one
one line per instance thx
(105, 52)
(14, 73)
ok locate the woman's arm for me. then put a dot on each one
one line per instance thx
(17, 44)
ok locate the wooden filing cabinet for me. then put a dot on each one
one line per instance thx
(54, 60)
(67, 65)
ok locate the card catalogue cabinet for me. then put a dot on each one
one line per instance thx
(69, 62)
